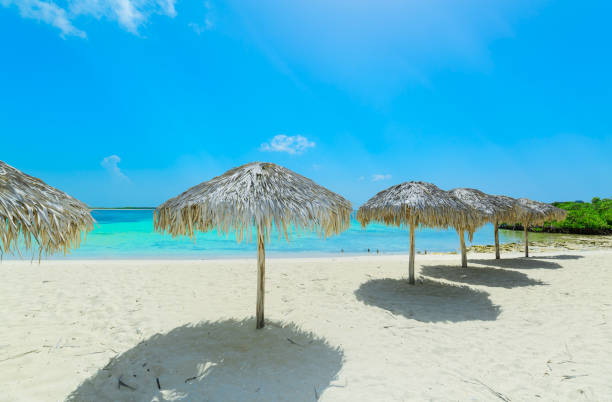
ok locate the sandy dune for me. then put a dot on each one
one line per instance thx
(340, 329)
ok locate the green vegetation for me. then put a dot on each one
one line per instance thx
(582, 217)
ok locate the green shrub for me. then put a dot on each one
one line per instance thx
(584, 217)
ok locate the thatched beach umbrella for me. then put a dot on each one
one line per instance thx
(38, 213)
(554, 213)
(530, 212)
(490, 209)
(508, 216)
(256, 196)
(416, 203)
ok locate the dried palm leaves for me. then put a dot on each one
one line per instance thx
(256, 195)
(42, 216)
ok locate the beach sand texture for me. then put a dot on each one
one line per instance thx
(338, 329)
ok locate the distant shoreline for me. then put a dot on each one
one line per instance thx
(560, 230)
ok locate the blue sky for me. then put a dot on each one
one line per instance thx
(130, 102)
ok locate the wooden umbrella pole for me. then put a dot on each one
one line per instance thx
(463, 251)
(526, 240)
(496, 240)
(261, 273)
(411, 261)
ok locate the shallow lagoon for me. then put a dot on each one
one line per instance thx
(129, 234)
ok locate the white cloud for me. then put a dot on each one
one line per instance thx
(208, 23)
(200, 28)
(129, 14)
(379, 177)
(110, 163)
(294, 144)
(168, 7)
(48, 12)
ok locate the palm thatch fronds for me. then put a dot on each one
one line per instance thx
(490, 208)
(41, 215)
(256, 195)
(535, 212)
(509, 213)
(530, 212)
(508, 216)
(417, 203)
(555, 214)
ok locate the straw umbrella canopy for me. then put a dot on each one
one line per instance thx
(256, 196)
(42, 216)
(554, 213)
(530, 212)
(509, 216)
(416, 203)
(489, 208)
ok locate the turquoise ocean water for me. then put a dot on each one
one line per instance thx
(121, 234)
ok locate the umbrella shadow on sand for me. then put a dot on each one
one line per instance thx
(219, 361)
(518, 263)
(486, 276)
(560, 257)
(429, 301)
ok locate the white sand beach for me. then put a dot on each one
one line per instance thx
(338, 329)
